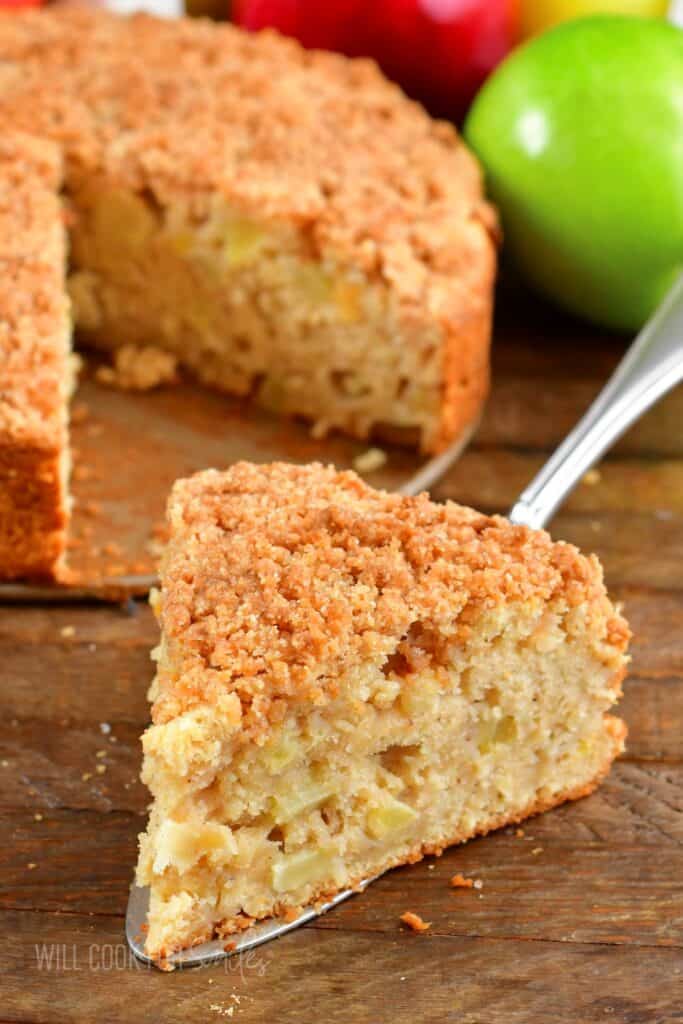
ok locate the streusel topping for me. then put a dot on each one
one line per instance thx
(278, 577)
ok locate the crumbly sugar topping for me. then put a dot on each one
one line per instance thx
(277, 578)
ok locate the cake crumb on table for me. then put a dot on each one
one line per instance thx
(460, 882)
(414, 922)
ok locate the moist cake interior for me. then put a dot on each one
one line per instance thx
(241, 306)
(348, 680)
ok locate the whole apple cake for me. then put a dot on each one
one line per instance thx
(287, 223)
(348, 680)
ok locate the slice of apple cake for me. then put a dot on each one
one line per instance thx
(35, 373)
(349, 679)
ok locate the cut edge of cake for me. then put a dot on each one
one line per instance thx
(348, 680)
(35, 351)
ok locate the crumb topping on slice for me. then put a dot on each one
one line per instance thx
(277, 578)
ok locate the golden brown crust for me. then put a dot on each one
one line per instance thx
(34, 359)
(614, 726)
(277, 576)
(466, 361)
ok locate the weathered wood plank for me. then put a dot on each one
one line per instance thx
(335, 977)
(635, 550)
(60, 683)
(492, 481)
(548, 368)
(653, 711)
(657, 623)
(97, 624)
(70, 765)
(538, 411)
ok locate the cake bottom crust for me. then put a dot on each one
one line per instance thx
(615, 727)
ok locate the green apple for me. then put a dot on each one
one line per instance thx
(580, 132)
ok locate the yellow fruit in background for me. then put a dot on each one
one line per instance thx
(538, 15)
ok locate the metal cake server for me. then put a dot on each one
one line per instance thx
(651, 367)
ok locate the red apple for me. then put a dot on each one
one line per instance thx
(440, 51)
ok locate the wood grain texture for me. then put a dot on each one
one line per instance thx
(578, 920)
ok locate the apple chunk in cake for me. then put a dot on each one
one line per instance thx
(349, 679)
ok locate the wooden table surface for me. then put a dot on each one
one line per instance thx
(578, 920)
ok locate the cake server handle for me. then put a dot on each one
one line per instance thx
(651, 367)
